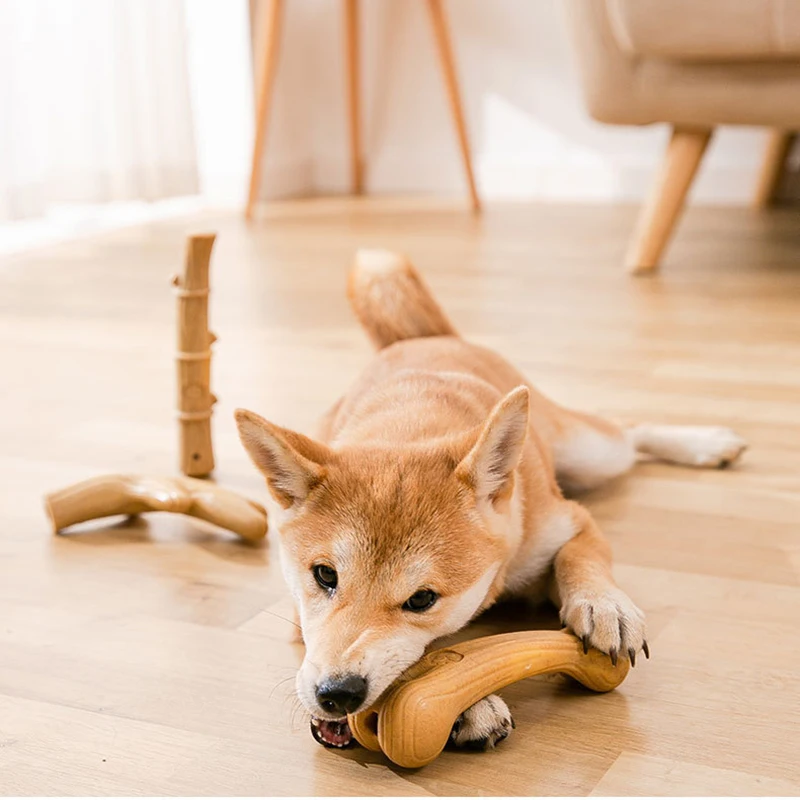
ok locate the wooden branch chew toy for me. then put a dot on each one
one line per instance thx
(109, 495)
(193, 358)
(411, 722)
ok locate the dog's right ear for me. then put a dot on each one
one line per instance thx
(292, 463)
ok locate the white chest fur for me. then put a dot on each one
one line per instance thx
(535, 557)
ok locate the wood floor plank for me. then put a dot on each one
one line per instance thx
(634, 775)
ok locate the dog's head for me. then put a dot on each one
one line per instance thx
(387, 548)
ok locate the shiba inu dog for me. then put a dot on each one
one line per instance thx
(435, 487)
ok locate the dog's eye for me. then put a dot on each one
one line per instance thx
(325, 576)
(421, 600)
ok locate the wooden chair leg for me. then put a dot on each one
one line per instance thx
(778, 146)
(353, 93)
(266, 81)
(661, 211)
(444, 47)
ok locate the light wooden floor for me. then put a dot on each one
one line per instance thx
(154, 657)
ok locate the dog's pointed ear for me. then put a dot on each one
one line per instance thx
(489, 466)
(292, 463)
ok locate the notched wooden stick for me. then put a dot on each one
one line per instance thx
(193, 358)
(109, 495)
(411, 722)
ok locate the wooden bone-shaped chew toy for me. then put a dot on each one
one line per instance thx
(412, 720)
(109, 495)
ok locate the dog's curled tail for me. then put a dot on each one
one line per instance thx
(392, 301)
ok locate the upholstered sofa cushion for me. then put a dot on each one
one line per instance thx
(707, 30)
(698, 89)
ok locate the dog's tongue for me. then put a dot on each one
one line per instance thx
(332, 734)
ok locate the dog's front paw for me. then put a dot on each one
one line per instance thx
(607, 620)
(483, 725)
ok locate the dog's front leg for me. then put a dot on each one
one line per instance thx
(589, 600)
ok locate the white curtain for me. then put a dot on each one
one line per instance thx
(94, 103)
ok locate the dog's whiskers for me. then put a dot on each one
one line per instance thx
(279, 684)
(298, 708)
(285, 619)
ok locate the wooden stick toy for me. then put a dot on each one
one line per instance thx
(412, 720)
(193, 358)
(109, 495)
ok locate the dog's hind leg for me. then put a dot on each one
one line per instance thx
(693, 445)
(589, 451)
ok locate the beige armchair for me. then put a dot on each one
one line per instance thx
(694, 64)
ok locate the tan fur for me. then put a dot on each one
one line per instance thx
(399, 308)
(437, 470)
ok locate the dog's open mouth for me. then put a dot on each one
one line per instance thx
(332, 733)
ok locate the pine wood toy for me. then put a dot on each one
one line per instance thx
(193, 358)
(109, 495)
(411, 722)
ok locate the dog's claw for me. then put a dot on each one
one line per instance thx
(585, 641)
(500, 738)
(632, 656)
(645, 649)
(613, 655)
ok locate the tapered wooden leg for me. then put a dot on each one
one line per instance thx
(353, 93)
(445, 49)
(778, 146)
(661, 211)
(266, 81)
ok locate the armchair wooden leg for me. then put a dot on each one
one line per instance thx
(661, 211)
(266, 81)
(778, 146)
(444, 47)
(353, 93)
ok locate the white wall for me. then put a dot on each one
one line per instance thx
(531, 136)
(221, 89)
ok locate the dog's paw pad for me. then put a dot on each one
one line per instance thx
(483, 726)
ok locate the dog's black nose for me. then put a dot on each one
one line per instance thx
(342, 695)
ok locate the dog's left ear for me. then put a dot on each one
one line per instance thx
(292, 463)
(489, 466)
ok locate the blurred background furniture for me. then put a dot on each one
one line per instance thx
(266, 69)
(694, 64)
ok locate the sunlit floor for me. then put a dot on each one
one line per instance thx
(157, 657)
